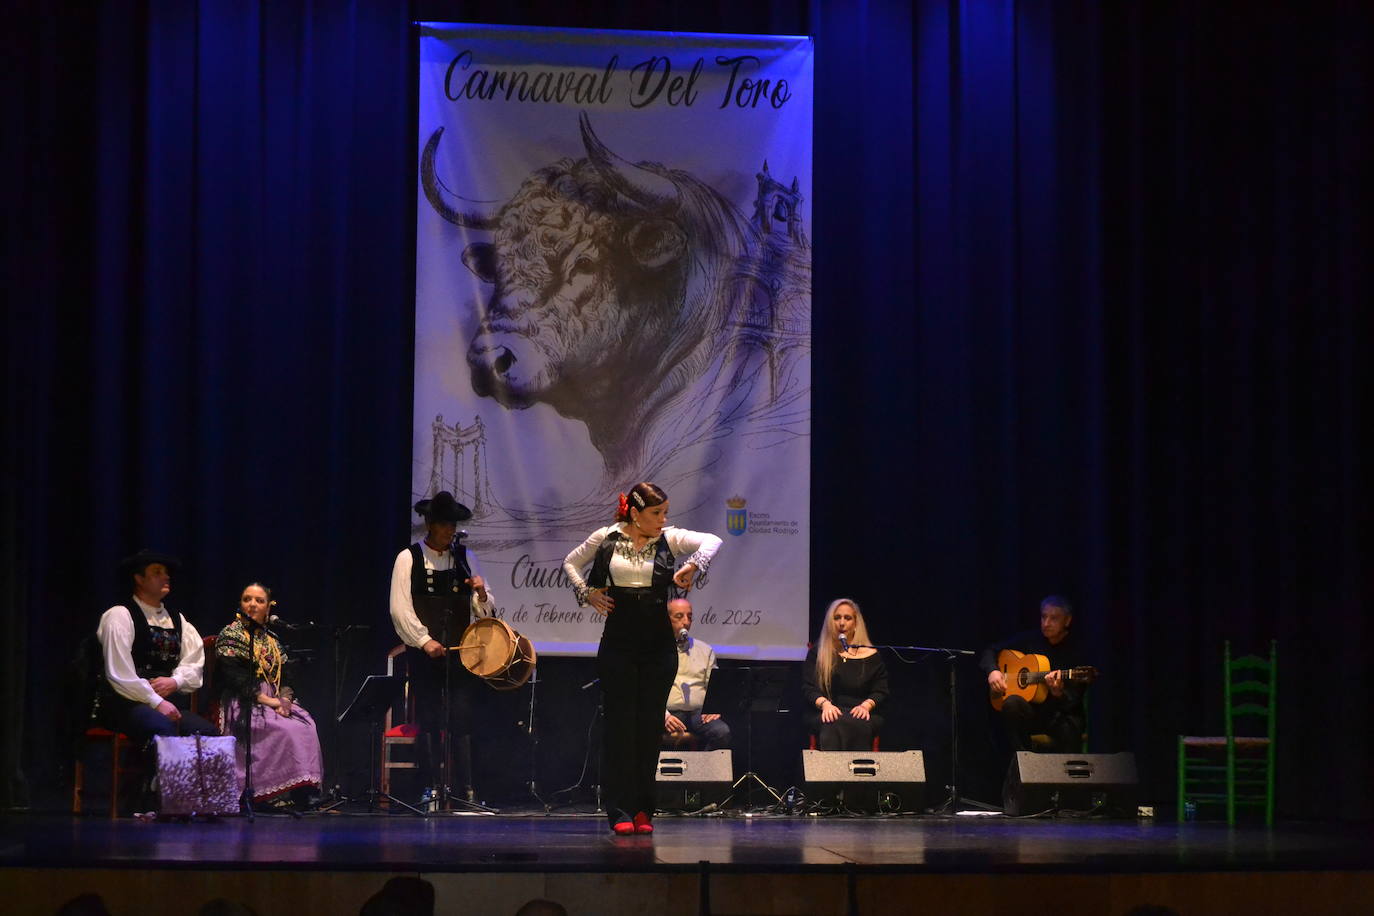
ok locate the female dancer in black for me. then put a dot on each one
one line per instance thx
(631, 577)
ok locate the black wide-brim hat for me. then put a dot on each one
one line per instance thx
(442, 507)
(140, 561)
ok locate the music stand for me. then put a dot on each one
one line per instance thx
(747, 690)
(377, 694)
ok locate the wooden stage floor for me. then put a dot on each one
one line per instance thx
(719, 864)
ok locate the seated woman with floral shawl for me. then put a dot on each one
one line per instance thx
(285, 745)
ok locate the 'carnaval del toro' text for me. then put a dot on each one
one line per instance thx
(650, 81)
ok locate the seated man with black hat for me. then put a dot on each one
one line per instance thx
(435, 593)
(154, 658)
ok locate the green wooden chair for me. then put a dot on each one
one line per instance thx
(1237, 768)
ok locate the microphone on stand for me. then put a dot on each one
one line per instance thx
(844, 643)
(275, 621)
(460, 564)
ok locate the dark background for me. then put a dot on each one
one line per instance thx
(1087, 319)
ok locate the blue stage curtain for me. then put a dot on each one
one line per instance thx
(1089, 287)
(210, 342)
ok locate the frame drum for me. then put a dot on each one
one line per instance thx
(495, 652)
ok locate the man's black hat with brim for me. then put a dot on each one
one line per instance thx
(140, 561)
(442, 507)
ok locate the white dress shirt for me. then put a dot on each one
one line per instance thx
(403, 616)
(116, 635)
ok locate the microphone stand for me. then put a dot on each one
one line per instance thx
(532, 733)
(591, 743)
(246, 799)
(950, 805)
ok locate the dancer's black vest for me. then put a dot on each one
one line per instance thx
(646, 624)
(442, 598)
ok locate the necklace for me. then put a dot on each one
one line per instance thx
(269, 660)
(625, 548)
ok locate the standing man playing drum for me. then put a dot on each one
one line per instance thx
(435, 593)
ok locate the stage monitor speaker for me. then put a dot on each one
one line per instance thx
(866, 780)
(691, 780)
(1070, 782)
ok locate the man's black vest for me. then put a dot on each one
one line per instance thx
(155, 653)
(442, 598)
(156, 650)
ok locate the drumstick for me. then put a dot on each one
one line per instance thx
(465, 648)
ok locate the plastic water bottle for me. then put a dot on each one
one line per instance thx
(1190, 811)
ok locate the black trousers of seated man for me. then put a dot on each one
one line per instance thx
(142, 723)
(1022, 719)
(427, 679)
(712, 736)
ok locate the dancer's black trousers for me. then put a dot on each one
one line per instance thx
(636, 663)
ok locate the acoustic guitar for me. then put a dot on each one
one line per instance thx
(1025, 676)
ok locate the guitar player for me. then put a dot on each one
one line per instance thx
(1061, 715)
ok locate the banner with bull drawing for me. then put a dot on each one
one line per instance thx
(614, 285)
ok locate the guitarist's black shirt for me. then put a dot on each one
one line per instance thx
(1065, 655)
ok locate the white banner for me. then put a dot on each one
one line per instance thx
(613, 284)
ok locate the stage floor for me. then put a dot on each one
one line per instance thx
(533, 841)
(767, 865)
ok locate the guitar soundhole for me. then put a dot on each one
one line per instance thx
(1022, 677)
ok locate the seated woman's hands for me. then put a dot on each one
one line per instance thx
(281, 705)
(830, 712)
